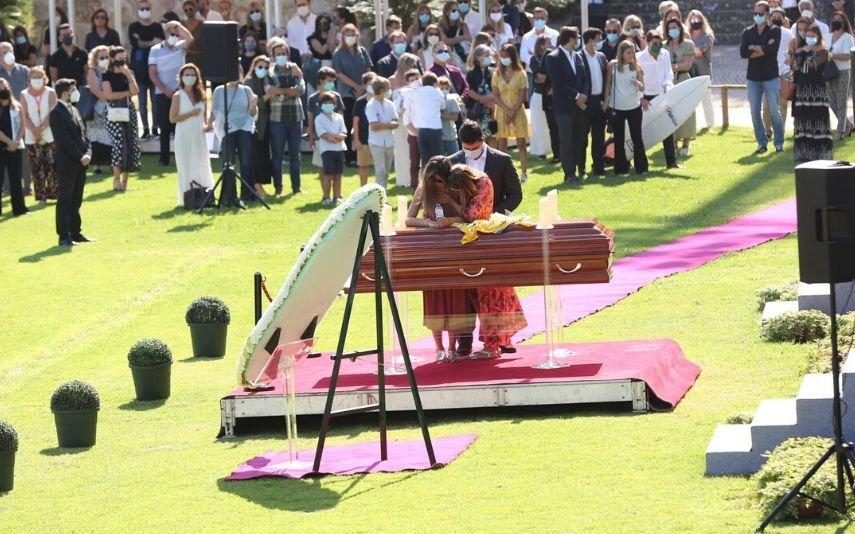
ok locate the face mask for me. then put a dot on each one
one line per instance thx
(759, 19)
(464, 8)
(9, 59)
(801, 34)
(444, 92)
(350, 40)
(578, 45)
(327, 107)
(673, 33)
(261, 72)
(495, 17)
(486, 61)
(598, 46)
(635, 32)
(255, 16)
(655, 47)
(807, 13)
(506, 61)
(612, 37)
(67, 40)
(836, 25)
(778, 22)
(424, 18)
(189, 81)
(74, 97)
(250, 46)
(415, 84)
(696, 25)
(473, 154)
(811, 41)
(454, 16)
(4, 94)
(281, 61)
(303, 11)
(442, 56)
(433, 39)
(369, 90)
(21, 40)
(144, 13)
(172, 40)
(119, 63)
(37, 83)
(103, 63)
(399, 48)
(539, 24)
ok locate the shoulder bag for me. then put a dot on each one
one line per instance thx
(611, 112)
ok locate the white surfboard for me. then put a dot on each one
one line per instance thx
(668, 112)
(313, 283)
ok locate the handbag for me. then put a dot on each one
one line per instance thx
(119, 112)
(830, 70)
(194, 198)
(86, 104)
(788, 88)
(611, 112)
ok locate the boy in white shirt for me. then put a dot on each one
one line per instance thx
(382, 118)
(331, 132)
(425, 106)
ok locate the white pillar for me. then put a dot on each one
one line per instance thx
(52, 24)
(117, 20)
(379, 17)
(277, 8)
(584, 15)
(482, 11)
(72, 18)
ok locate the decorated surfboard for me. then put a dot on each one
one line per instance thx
(320, 272)
(668, 112)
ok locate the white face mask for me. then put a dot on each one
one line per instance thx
(57, 20)
(807, 13)
(369, 90)
(350, 40)
(189, 81)
(74, 97)
(172, 40)
(104, 63)
(9, 59)
(144, 14)
(495, 17)
(474, 154)
(37, 83)
(433, 39)
(303, 11)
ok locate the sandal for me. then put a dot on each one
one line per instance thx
(117, 184)
(485, 354)
(441, 356)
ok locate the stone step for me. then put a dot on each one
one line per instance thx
(729, 451)
(775, 308)
(815, 297)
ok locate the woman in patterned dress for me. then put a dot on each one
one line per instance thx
(480, 80)
(811, 125)
(37, 101)
(119, 86)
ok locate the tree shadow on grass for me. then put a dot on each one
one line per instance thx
(170, 213)
(142, 406)
(188, 227)
(63, 451)
(44, 254)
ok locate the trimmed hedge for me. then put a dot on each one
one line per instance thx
(740, 419)
(208, 310)
(149, 352)
(8, 437)
(75, 395)
(773, 293)
(796, 327)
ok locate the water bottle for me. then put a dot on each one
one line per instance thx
(438, 213)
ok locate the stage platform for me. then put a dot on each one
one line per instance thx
(642, 374)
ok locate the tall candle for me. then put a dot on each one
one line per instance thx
(553, 204)
(402, 211)
(545, 216)
(387, 227)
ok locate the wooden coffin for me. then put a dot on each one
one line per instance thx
(580, 252)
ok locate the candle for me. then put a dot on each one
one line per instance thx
(387, 227)
(402, 212)
(553, 204)
(545, 216)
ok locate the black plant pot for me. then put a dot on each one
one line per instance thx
(209, 340)
(152, 382)
(7, 471)
(76, 428)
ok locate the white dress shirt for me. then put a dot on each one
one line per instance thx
(784, 51)
(528, 40)
(299, 31)
(570, 57)
(381, 111)
(425, 107)
(658, 76)
(478, 164)
(596, 73)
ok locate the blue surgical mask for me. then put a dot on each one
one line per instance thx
(598, 46)
(250, 46)
(327, 107)
(329, 86)
(424, 18)
(399, 48)
(261, 72)
(811, 41)
(21, 40)
(612, 37)
(463, 8)
(454, 16)
(486, 61)
(759, 19)
(443, 56)
(539, 24)
(673, 33)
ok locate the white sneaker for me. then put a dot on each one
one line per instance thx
(327, 202)
(523, 178)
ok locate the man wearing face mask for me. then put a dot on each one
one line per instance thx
(382, 47)
(540, 29)
(205, 13)
(570, 85)
(595, 119)
(613, 37)
(470, 17)
(778, 19)
(300, 27)
(655, 62)
(71, 157)
(14, 73)
(760, 44)
(283, 94)
(144, 33)
(441, 67)
(69, 61)
(512, 15)
(164, 61)
(388, 65)
(807, 11)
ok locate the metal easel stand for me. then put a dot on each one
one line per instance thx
(382, 282)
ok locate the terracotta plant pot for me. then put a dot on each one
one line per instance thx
(209, 340)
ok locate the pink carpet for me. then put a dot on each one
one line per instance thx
(634, 272)
(358, 458)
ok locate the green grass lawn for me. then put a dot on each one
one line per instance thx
(74, 314)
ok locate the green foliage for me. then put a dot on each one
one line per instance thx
(819, 355)
(149, 352)
(796, 327)
(75, 395)
(773, 293)
(739, 419)
(8, 437)
(207, 310)
(786, 466)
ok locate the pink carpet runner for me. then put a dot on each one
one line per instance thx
(356, 458)
(634, 272)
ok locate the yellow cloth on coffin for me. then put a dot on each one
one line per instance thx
(496, 224)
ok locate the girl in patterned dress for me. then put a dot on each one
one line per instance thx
(119, 86)
(812, 132)
(37, 101)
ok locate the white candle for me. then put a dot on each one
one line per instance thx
(402, 211)
(545, 216)
(553, 204)
(386, 225)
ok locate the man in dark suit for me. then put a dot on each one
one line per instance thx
(71, 157)
(570, 87)
(595, 118)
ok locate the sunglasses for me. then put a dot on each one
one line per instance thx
(254, 12)
(100, 17)
(760, 14)
(612, 32)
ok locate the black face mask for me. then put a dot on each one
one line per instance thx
(4, 94)
(696, 25)
(778, 22)
(119, 63)
(836, 25)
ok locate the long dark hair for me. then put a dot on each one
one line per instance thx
(463, 182)
(198, 92)
(847, 26)
(106, 17)
(435, 173)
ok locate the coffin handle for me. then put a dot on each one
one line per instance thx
(568, 271)
(365, 276)
(476, 275)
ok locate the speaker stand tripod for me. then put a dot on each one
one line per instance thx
(228, 192)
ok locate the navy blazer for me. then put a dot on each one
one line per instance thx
(601, 58)
(566, 84)
(70, 140)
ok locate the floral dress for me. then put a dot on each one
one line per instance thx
(811, 124)
(481, 80)
(499, 309)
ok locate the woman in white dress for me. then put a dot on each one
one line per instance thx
(400, 87)
(188, 112)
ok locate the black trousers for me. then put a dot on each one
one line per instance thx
(70, 182)
(571, 132)
(553, 127)
(11, 163)
(349, 103)
(633, 118)
(595, 125)
(166, 128)
(668, 144)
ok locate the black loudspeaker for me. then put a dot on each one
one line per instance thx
(825, 197)
(220, 59)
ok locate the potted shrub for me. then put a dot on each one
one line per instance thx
(796, 327)
(150, 361)
(8, 447)
(75, 408)
(208, 319)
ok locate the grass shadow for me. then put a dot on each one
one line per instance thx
(95, 197)
(46, 253)
(283, 494)
(194, 359)
(188, 227)
(63, 451)
(142, 406)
